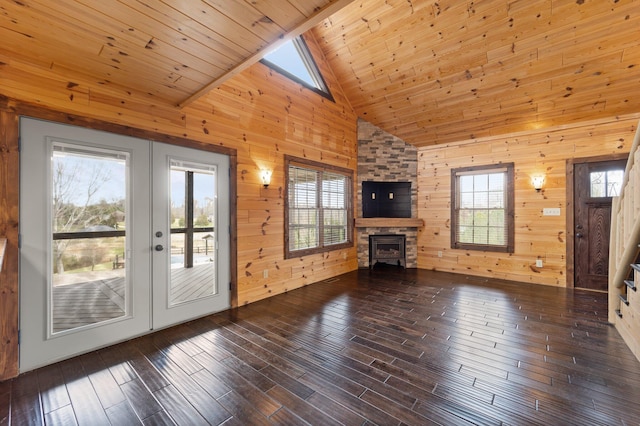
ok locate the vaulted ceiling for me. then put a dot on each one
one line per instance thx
(426, 71)
(439, 71)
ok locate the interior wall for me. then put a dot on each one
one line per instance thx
(536, 236)
(259, 113)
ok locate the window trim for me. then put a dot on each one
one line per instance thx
(320, 167)
(509, 207)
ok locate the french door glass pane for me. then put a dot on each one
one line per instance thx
(193, 239)
(88, 212)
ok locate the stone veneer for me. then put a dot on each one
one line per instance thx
(384, 157)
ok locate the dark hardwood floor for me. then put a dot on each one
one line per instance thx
(385, 347)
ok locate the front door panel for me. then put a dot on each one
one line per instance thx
(595, 183)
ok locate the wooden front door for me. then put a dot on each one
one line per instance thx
(595, 183)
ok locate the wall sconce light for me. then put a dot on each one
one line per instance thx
(265, 176)
(537, 182)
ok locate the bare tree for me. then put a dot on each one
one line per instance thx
(74, 189)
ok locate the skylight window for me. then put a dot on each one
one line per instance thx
(294, 61)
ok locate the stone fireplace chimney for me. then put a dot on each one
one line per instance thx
(383, 157)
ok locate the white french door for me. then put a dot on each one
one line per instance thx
(190, 224)
(113, 241)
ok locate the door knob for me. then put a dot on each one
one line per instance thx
(159, 247)
(579, 235)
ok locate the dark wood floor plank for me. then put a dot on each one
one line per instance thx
(238, 384)
(25, 400)
(179, 408)
(122, 414)
(243, 410)
(103, 382)
(182, 382)
(300, 408)
(141, 399)
(84, 399)
(61, 416)
(52, 393)
(389, 346)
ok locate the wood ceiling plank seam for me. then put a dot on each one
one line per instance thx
(105, 40)
(572, 34)
(72, 11)
(76, 69)
(243, 12)
(589, 75)
(308, 7)
(284, 14)
(80, 84)
(77, 66)
(178, 29)
(236, 33)
(12, 80)
(337, 30)
(179, 48)
(139, 107)
(37, 26)
(31, 56)
(529, 8)
(565, 14)
(154, 70)
(158, 64)
(173, 67)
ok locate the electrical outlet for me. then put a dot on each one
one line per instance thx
(344, 256)
(538, 263)
(265, 273)
(439, 253)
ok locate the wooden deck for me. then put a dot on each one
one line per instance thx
(192, 283)
(386, 347)
(80, 304)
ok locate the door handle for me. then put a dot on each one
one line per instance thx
(159, 247)
(579, 235)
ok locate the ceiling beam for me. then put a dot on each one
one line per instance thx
(301, 28)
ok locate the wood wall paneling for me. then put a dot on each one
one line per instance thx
(536, 236)
(258, 116)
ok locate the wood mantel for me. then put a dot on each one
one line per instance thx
(389, 222)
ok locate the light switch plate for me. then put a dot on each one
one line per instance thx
(551, 211)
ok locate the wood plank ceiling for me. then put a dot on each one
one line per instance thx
(439, 71)
(426, 71)
(171, 51)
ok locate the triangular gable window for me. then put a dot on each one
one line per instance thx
(294, 61)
